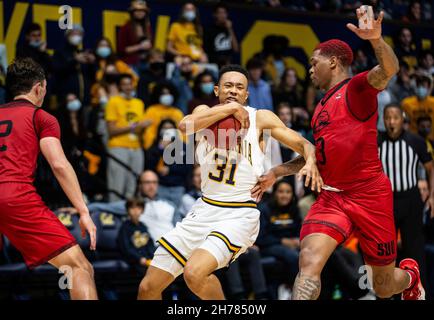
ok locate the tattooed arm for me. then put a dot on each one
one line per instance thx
(388, 64)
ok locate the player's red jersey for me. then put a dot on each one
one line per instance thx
(22, 125)
(345, 132)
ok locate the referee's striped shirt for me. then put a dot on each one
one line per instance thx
(400, 159)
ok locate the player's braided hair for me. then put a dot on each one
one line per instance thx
(337, 48)
(22, 75)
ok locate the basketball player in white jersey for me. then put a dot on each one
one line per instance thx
(225, 221)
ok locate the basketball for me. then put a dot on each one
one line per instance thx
(225, 132)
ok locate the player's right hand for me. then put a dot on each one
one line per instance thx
(242, 115)
(87, 225)
(313, 178)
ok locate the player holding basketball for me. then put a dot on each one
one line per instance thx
(26, 129)
(225, 221)
(360, 200)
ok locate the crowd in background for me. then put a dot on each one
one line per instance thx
(119, 107)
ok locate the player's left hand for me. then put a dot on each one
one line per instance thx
(264, 183)
(313, 178)
(367, 34)
(87, 225)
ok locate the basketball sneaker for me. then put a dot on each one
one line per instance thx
(416, 291)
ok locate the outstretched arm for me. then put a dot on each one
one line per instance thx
(267, 180)
(204, 116)
(388, 64)
(267, 120)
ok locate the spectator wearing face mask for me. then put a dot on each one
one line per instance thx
(125, 123)
(424, 128)
(153, 73)
(182, 78)
(105, 55)
(74, 68)
(134, 39)
(168, 157)
(186, 35)
(203, 91)
(34, 47)
(162, 107)
(421, 104)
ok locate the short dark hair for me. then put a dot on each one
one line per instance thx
(393, 105)
(123, 76)
(233, 68)
(134, 202)
(255, 63)
(32, 27)
(218, 6)
(22, 75)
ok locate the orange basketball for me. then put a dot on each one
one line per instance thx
(225, 132)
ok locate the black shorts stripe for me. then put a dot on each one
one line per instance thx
(223, 204)
(231, 247)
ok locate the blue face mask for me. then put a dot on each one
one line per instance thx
(35, 44)
(103, 52)
(166, 99)
(74, 105)
(189, 15)
(207, 88)
(421, 92)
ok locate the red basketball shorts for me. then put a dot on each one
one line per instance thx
(367, 211)
(30, 226)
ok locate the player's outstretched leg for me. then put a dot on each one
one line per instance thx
(199, 278)
(315, 250)
(388, 280)
(83, 283)
(154, 283)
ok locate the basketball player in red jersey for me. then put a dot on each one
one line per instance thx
(31, 227)
(358, 195)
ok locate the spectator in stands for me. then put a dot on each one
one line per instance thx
(125, 123)
(221, 43)
(168, 157)
(280, 227)
(134, 39)
(274, 55)
(153, 73)
(74, 69)
(383, 99)
(424, 128)
(194, 192)
(162, 107)
(403, 86)
(384, 5)
(183, 77)
(406, 49)
(289, 89)
(186, 35)
(349, 6)
(421, 104)
(259, 90)
(34, 47)
(426, 63)
(160, 216)
(105, 56)
(134, 240)
(414, 13)
(203, 91)
(250, 260)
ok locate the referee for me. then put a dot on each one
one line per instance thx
(400, 153)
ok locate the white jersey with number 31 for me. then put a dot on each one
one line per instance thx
(229, 175)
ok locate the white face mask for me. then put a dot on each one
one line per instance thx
(75, 40)
(166, 99)
(103, 100)
(189, 15)
(74, 105)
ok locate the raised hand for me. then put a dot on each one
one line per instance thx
(367, 34)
